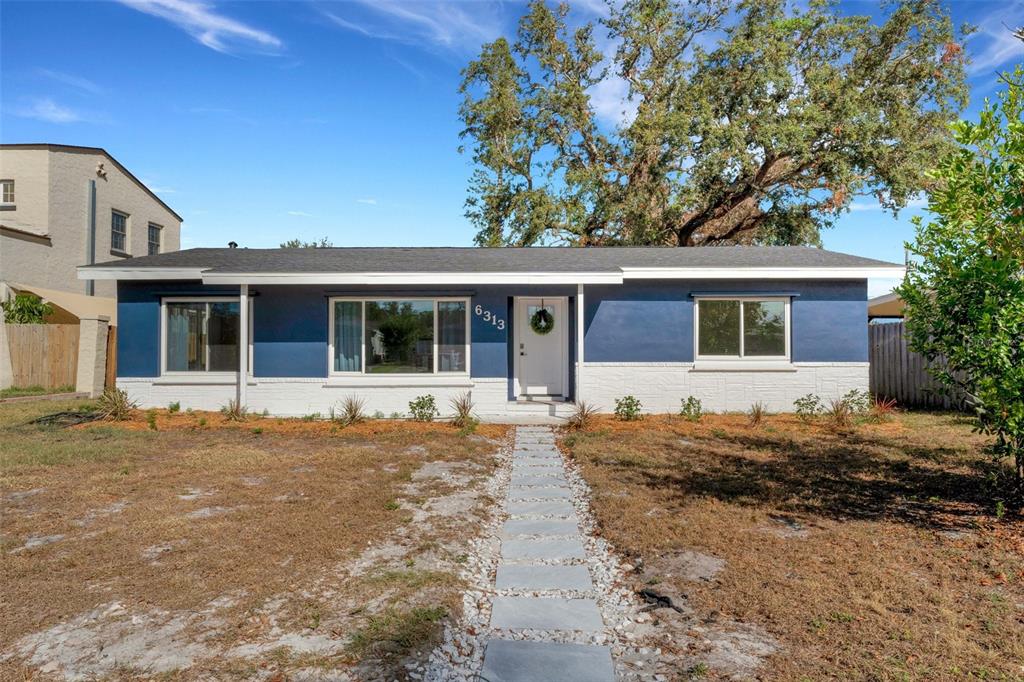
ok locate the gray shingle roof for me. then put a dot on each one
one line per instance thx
(474, 259)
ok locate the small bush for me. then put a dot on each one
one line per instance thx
(151, 419)
(116, 405)
(692, 409)
(202, 422)
(424, 408)
(378, 415)
(396, 415)
(808, 407)
(257, 430)
(582, 416)
(234, 412)
(840, 413)
(174, 407)
(758, 411)
(628, 408)
(463, 406)
(353, 411)
(311, 417)
(882, 409)
(859, 401)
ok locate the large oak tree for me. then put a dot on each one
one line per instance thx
(754, 122)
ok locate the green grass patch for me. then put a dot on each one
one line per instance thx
(22, 391)
(395, 632)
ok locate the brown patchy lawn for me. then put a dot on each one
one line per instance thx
(232, 535)
(871, 554)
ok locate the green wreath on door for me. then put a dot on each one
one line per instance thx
(542, 321)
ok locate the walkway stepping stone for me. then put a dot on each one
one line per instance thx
(543, 577)
(539, 479)
(545, 613)
(549, 453)
(561, 508)
(520, 661)
(547, 549)
(514, 527)
(538, 462)
(536, 493)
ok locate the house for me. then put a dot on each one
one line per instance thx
(525, 330)
(886, 307)
(65, 205)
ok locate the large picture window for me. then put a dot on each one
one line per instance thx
(743, 328)
(399, 336)
(200, 335)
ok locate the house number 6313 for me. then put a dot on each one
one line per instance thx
(488, 316)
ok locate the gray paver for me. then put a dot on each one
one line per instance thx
(520, 661)
(540, 527)
(538, 462)
(551, 549)
(536, 493)
(543, 577)
(545, 613)
(528, 479)
(536, 469)
(540, 454)
(562, 508)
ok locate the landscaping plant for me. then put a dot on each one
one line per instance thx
(174, 407)
(808, 407)
(964, 289)
(628, 408)
(423, 408)
(582, 416)
(692, 409)
(758, 411)
(882, 409)
(115, 404)
(463, 406)
(235, 412)
(25, 309)
(353, 411)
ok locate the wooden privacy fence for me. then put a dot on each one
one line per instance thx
(897, 372)
(43, 354)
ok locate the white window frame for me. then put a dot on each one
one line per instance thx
(362, 335)
(159, 238)
(4, 182)
(742, 357)
(201, 299)
(127, 231)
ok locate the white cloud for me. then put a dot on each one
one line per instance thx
(300, 214)
(371, 202)
(916, 202)
(45, 109)
(200, 20)
(448, 25)
(611, 103)
(999, 45)
(74, 81)
(878, 286)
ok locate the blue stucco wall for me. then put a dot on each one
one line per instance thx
(653, 322)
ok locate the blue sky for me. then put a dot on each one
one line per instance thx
(262, 121)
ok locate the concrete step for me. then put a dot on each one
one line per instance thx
(543, 577)
(545, 613)
(523, 661)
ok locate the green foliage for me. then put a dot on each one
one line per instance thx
(858, 401)
(692, 409)
(311, 417)
(582, 417)
(423, 408)
(174, 407)
(324, 243)
(234, 411)
(764, 136)
(965, 290)
(151, 419)
(115, 405)
(25, 309)
(463, 406)
(808, 407)
(628, 408)
(353, 411)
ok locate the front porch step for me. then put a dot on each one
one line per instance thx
(553, 408)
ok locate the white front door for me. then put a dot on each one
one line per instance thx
(541, 365)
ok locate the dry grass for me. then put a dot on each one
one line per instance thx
(173, 518)
(903, 573)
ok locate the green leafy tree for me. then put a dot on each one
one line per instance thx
(324, 243)
(965, 290)
(761, 137)
(25, 309)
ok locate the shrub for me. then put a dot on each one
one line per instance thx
(882, 409)
(25, 308)
(808, 407)
(582, 416)
(692, 409)
(424, 408)
(463, 406)
(378, 415)
(353, 411)
(235, 412)
(257, 430)
(840, 413)
(151, 419)
(859, 401)
(202, 422)
(312, 417)
(628, 408)
(116, 405)
(174, 407)
(758, 411)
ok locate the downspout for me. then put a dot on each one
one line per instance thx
(90, 250)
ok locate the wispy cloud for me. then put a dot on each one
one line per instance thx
(300, 214)
(916, 202)
(370, 201)
(45, 109)
(447, 25)
(212, 29)
(995, 44)
(77, 82)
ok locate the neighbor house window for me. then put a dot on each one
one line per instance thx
(743, 328)
(399, 336)
(7, 191)
(119, 231)
(200, 335)
(154, 239)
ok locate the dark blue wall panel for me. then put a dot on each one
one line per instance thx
(290, 328)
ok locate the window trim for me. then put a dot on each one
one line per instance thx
(742, 358)
(227, 298)
(362, 335)
(14, 196)
(127, 231)
(159, 238)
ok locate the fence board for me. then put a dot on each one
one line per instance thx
(899, 373)
(43, 354)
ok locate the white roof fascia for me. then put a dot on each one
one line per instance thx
(764, 272)
(431, 278)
